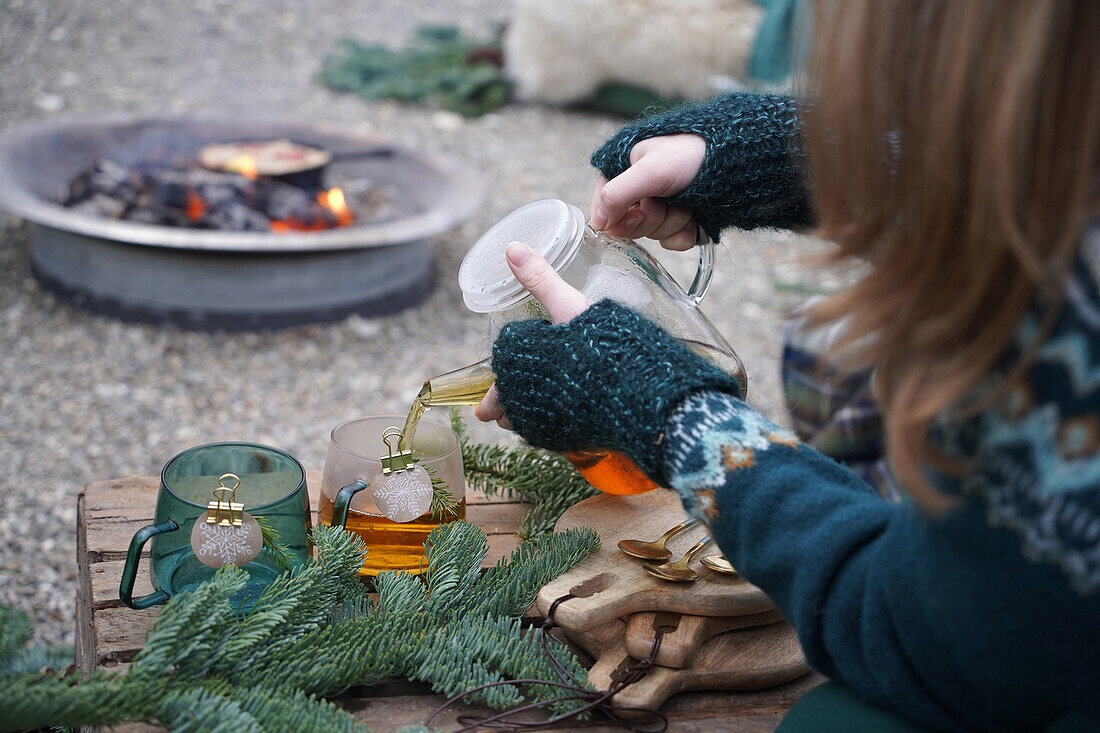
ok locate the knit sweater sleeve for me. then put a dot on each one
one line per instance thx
(753, 174)
(944, 619)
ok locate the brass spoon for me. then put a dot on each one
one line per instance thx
(719, 564)
(655, 550)
(679, 570)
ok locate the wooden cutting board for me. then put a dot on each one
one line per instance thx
(746, 659)
(610, 584)
(599, 639)
(680, 644)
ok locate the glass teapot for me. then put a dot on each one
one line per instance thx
(599, 266)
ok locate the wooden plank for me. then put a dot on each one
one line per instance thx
(120, 632)
(745, 712)
(695, 712)
(103, 580)
(687, 713)
(84, 649)
(392, 714)
(497, 519)
(135, 496)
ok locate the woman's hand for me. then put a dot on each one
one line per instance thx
(560, 299)
(601, 375)
(629, 205)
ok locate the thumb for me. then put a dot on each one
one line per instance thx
(562, 301)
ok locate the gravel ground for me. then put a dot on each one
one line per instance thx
(86, 397)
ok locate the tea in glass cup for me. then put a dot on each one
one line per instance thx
(353, 473)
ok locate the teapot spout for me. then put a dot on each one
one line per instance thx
(465, 386)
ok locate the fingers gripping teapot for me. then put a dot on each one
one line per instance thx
(599, 266)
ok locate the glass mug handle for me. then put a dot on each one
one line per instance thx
(343, 500)
(701, 284)
(129, 572)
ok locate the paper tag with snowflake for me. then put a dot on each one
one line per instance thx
(402, 496)
(218, 544)
(225, 534)
(402, 490)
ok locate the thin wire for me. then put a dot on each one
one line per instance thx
(597, 700)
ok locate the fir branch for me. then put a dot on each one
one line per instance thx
(438, 66)
(454, 560)
(36, 658)
(444, 506)
(32, 702)
(207, 663)
(272, 711)
(511, 585)
(15, 658)
(541, 478)
(273, 544)
(15, 631)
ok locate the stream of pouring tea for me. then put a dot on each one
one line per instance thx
(609, 471)
(463, 387)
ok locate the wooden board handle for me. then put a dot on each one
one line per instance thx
(680, 644)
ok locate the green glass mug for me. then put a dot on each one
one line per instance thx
(272, 486)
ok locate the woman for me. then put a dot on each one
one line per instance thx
(956, 147)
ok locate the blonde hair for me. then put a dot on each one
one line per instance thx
(954, 145)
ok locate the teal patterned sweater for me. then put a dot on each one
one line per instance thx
(984, 618)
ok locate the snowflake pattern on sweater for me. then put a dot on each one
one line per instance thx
(1036, 452)
(712, 434)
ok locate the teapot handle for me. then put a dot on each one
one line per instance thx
(701, 284)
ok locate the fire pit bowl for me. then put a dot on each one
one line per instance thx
(205, 278)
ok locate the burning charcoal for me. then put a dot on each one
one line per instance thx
(107, 178)
(99, 204)
(107, 175)
(171, 193)
(179, 192)
(222, 193)
(236, 216)
(146, 216)
(282, 202)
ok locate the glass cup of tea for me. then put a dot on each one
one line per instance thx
(353, 467)
(270, 484)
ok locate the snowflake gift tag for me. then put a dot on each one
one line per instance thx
(402, 490)
(226, 534)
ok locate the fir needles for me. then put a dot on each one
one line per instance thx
(314, 633)
(541, 478)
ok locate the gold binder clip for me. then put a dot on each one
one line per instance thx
(222, 509)
(401, 460)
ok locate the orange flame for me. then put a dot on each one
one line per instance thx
(336, 214)
(333, 200)
(244, 165)
(196, 207)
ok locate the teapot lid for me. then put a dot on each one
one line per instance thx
(551, 227)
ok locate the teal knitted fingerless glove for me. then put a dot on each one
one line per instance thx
(753, 172)
(607, 379)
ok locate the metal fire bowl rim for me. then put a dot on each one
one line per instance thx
(461, 198)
